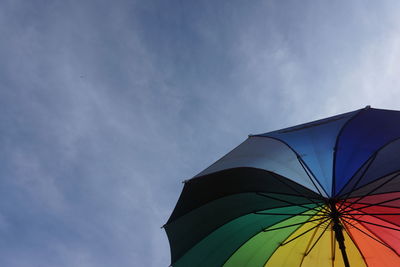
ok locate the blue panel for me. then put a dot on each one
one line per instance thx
(360, 138)
(315, 143)
(387, 161)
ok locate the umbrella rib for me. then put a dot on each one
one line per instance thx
(362, 221)
(373, 204)
(376, 239)
(308, 245)
(289, 194)
(359, 179)
(308, 249)
(265, 263)
(303, 164)
(254, 192)
(354, 242)
(374, 215)
(299, 214)
(373, 190)
(381, 185)
(305, 168)
(291, 225)
(294, 189)
(373, 155)
(288, 202)
(262, 230)
(385, 206)
(315, 243)
(366, 163)
(335, 148)
(373, 234)
(305, 232)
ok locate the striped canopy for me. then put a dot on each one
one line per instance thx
(324, 193)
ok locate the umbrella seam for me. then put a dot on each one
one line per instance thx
(373, 157)
(276, 176)
(376, 238)
(233, 194)
(380, 186)
(265, 263)
(301, 162)
(385, 220)
(335, 148)
(366, 162)
(259, 233)
(356, 245)
(232, 219)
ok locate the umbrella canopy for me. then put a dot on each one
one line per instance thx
(324, 193)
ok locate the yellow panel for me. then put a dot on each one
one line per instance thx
(321, 254)
(293, 253)
(326, 252)
(353, 254)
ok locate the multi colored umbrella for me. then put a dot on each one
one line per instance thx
(324, 193)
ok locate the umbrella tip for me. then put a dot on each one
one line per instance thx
(367, 107)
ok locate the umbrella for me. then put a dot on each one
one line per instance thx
(324, 193)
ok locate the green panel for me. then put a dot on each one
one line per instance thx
(217, 247)
(187, 231)
(258, 249)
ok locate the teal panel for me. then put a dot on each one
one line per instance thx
(186, 231)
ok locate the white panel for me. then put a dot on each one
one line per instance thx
(264, 153)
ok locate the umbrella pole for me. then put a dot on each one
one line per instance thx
(338, 228)
(340, 238)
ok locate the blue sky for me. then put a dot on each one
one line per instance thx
(105, 107)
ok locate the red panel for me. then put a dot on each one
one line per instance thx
(385, 228)
(382, 204)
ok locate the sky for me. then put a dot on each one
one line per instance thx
(107, 106)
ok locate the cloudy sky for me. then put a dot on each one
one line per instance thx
(106, 106)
